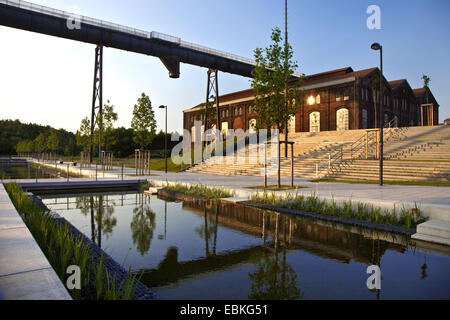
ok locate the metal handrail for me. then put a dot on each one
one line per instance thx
(121, 28)
(329, 163)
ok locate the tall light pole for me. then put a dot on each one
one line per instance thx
(165, 137)
(376, 46)
(286, 52)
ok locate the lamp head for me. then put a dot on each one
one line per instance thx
(376, 46)
(162, 107)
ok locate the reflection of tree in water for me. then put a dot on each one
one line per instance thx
(274, 279)
(101, 212)
(208, 231)
(142, 227)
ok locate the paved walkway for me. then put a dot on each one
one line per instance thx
(434, 201)
(25, 273)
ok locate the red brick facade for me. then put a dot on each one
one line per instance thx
(342, 99)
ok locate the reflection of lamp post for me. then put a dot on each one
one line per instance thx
(376, 46)
(165, 137)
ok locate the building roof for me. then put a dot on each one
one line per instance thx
(419, 91)
(394, 84)
(317, 80)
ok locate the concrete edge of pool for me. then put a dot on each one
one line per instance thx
(25, 273)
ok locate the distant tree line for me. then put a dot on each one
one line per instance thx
(17, 137)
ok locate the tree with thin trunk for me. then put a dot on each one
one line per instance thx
(374, 85)
(275, 104)
(40, 143)
(426, 82)
(83, 135)
(53, 141)
(143, 123)
(106, 121)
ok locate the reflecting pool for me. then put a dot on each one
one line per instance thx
(205, 250)
(27, 170)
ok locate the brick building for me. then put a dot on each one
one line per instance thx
(340, 99)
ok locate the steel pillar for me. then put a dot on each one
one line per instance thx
(212, 91)
(97, 95)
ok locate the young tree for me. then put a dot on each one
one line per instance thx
(275, 101)
(143, 123)
(40, 142)
(105, 122)
(374, 86)
(83, 135)
(53, 141)
(426, 82)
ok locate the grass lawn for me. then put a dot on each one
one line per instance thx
(399, 183)
(160, 165)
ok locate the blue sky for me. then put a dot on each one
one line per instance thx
(48, 80)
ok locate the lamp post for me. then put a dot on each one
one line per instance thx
(165, 137)
(376, 46)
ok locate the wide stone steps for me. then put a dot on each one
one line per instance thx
(433, 231)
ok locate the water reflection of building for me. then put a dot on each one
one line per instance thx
(279, 234)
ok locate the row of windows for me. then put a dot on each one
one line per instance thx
(340, 96)
(238, 111)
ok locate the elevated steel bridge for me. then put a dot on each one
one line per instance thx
(169, 49)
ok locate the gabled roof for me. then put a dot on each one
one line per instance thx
(363, 73)
(419, 91)
(394, 84)
(331, 73)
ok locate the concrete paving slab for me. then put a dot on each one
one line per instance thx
(35, 285)
(11, 222)
(19, 252)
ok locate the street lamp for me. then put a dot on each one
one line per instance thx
(376, 46)
(165, 137)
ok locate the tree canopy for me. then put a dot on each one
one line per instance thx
(143, 122)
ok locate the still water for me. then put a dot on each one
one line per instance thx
(202, 250)
(27, 170)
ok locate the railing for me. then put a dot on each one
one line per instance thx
(117, 27)
(392, 124)
(334, 158)
(365, 145)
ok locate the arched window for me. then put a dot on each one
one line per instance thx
(342, 119)
(318, 99)
(225, 128)
(240, 111)
(193, 134)
(291, 124)
(314, 122)
(364, 123)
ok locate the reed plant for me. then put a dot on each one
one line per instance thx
(361, 211)
(63, 249)
(200, 190)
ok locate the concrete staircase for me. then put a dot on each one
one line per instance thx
(368, 170)
(424, 151)
(310, 151)
(435, 231)
(421, 143)
(342, 155)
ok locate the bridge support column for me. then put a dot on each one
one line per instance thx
(97, 95)
(212, 92)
